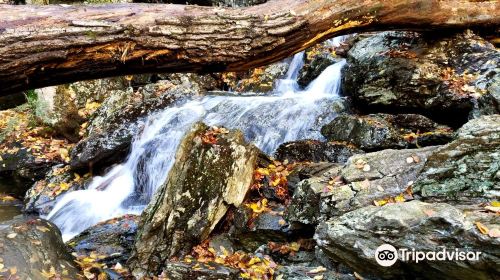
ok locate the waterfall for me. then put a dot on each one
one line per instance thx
(267, 121)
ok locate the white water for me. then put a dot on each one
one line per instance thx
(267, 121)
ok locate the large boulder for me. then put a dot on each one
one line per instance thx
(405, 71)
(33, 249)
(384, 131)
(213, 171)
(467, 169)
(354, 237)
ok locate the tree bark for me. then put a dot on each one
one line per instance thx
(48, 45)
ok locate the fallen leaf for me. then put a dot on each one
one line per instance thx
(482, 228)
(11, 235)
(317, 270)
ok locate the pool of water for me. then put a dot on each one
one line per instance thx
(9, 208)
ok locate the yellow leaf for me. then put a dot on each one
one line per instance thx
(380, 202)
(317, 270)
(400, 198)
(64, 186)
(13, 270)
(495, 203)
(482, 228)
(42, 228)
(254, 260)
(263, 171)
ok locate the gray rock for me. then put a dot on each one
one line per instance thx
(467, 169)
(442, 77)
(383, 131)
(205, 180)
(353, 238)
(364, 179)
(34, 248)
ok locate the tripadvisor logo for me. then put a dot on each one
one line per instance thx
(387, 255)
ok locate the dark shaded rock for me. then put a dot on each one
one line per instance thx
(410, 72)
(315, 151)
(467, 169)
(35, 249)
(382, 131)
(316, 60)
(11, 101)
(353, 238)
(364, 179)
(117, 122)
(113, 238)
(213, 171)
(250, 231)
(41, 197)
(201, 271)
(20, 164)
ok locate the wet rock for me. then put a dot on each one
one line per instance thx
(41, 197)
(316, 60)
(467, 169)
(213, 171)
(366, 179)
(315, 151)
(196, 270)
(353, 238)
(406, 71)
(113, 239)
(33, 249)
(383, 131)
(118, 120)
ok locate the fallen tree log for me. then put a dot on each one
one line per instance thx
(48, 45)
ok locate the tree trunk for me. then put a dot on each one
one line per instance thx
(47, 45)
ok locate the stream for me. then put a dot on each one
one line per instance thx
(288, 114)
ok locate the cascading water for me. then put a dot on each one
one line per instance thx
(267, 121)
